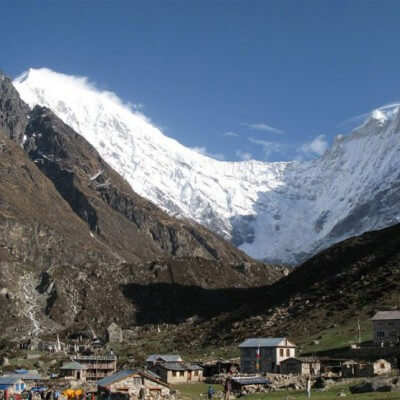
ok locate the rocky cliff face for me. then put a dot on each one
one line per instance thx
(78, 246)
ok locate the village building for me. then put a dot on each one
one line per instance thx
(132, 383)
(178, 372)
(265, 354)
(211, 368)
(240, 383)
(162, 358)
(359, 369)
(308, 366)
(386, 327)
(73, 370)
(97, 366)
(29, 377)
(13, 384)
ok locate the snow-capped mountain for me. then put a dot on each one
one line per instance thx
(274, 211)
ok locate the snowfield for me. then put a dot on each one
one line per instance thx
(280, 212)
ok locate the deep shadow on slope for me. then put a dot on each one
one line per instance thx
(174, 303)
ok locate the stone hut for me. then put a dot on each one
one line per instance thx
(132, 384)
(74, 370)
(307, 366)
(174, 372)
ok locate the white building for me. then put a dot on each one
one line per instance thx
(386, 327)
(269, 352)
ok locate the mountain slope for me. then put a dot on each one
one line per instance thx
(75, 239)
(322, 299)
(276, 211)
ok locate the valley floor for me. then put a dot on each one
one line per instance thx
(199, 390)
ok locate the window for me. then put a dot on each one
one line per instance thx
(281, 352)
(380, 334)
(287, 352)
(392, 334)
(382, 366)
(196, 373)
(182, 373)
(137, 380)
(390, 323)
(173, 373)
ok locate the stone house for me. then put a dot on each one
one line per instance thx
(162, 358)
(352, 368)
(269, 352)
(307, 366)
(97, 366)
(240, 383)
(132, 384)
(178, 372)
(386, 327)
(74, 370)
(13, 384)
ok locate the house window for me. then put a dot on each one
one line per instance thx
(137, 381)
(182, 373)
(173, 373)
(390, 323)
(392, 334)
(287, 352)
(382, 366)
(281, 352)
(196, 373)
(380, 334)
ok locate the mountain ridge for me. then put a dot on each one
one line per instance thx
(282, 212)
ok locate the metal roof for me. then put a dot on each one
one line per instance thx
(104, 357)
(386, 315)
(9, 380)
(26, 377)
(301, 360)
(251, 380)
(126, 373)
(171, 366)
(164, 357)
(73, 365)
(267, 342)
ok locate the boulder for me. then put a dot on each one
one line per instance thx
(375, 385)
(4, 362)
(114, 333)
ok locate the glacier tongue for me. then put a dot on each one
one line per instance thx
(280, 212)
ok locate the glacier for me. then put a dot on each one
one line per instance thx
(281, 212)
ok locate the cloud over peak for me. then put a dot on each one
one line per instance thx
(261, 126)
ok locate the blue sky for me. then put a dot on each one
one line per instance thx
(264, 79)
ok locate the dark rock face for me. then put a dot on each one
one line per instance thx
(13, 111)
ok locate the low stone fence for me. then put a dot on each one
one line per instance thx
(361, 353)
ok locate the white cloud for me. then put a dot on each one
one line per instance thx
(358, 119)
(268, 147)
(231, 134)
(243, 155)
(263, 127)
(316, 147)
(203, 151)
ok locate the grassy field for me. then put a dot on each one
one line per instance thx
(194, 390)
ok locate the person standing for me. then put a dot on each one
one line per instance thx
(227, 388)
(210, 392)
(308, 387)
